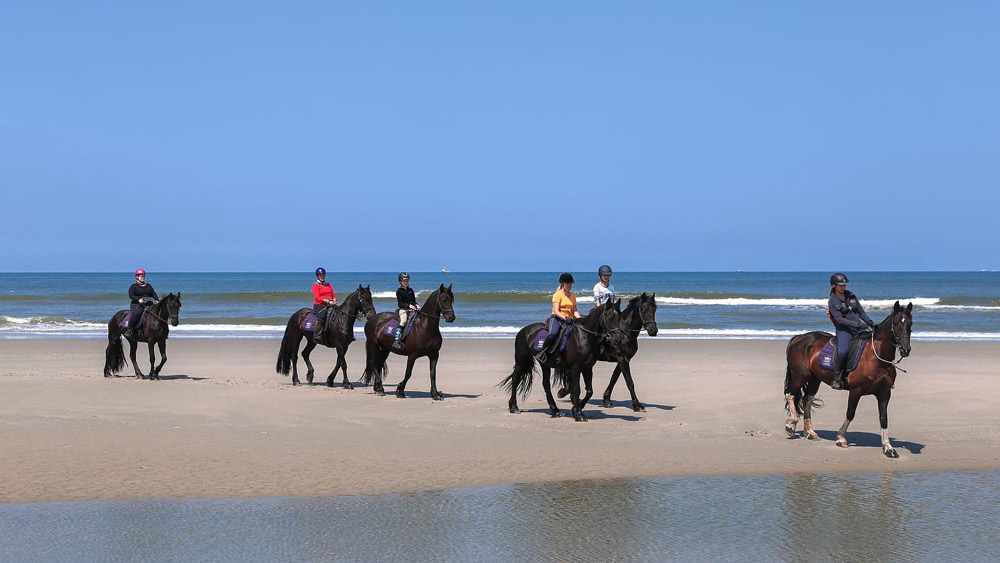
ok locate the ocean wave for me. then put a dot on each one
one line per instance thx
(785, 302)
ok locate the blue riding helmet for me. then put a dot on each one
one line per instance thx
(604, 270)
(320, 271)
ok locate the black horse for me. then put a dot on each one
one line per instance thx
(424, 340)
(154, 330)
(577, 359)
(338, 334)
(638, 316)
(875, 374)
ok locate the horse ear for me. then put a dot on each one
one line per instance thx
(359, 287)
(368, 287)
(909, 307)
(896, 307)
(449, 286)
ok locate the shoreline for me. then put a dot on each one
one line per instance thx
(222, 424)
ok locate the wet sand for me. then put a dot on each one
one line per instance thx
(222, 424)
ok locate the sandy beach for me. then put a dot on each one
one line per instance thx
(222, 424)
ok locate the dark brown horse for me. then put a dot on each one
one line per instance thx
(875, 374)
(578, 358)
(338, 335)
(639, 315)
(424, 340)
(154, 330)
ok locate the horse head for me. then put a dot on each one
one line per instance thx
(446, 303)
(647, 312)
(610, 322)
(901, 325)
(366, 307)
(173, 305)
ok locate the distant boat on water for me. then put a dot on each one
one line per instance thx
(445, 271)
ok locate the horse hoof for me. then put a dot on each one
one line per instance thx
(891, 452)
(607, 404)
(346, 386)
(562, 393)
(843, 444)
(400, 395)
(514, 410)
(812, 436)
(294, 383)
(638, 408)
(380, 393)
(580, 418)
(790, 430)
(555, 413)
(438, 397)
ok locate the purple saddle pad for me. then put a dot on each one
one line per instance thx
(309, 323)
(390, 328)
(124, 323)
(828, 355)
(539, 340)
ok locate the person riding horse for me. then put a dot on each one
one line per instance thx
(406, 301)
(563, 315)
(604, 292)
(142, 295)
(850, 320)
(323, 301)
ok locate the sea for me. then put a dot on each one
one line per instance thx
(879, 517)
(743, 305)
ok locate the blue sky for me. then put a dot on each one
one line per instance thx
(244, 136)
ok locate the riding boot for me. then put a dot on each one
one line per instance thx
(397, 344)
(318, 334)
(840, 380)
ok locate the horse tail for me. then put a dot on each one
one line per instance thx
(523, 374)
(375, 363)
(286, 353)
(114, 354)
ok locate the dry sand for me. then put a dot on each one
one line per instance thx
(222, 424)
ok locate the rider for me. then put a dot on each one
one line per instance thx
(849, 318)
(406, 301)
(323, 300)
(142, 295)
(604, 292)
(563, 314)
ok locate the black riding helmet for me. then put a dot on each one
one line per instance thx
(566, 277)
(403, 276)
(604, 270)
(838, 278)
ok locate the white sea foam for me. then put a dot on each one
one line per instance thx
(785, 302)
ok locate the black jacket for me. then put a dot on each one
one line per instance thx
(405, 297)
(847, 314)
(137, 292)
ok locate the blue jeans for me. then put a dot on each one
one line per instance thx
(555, 326)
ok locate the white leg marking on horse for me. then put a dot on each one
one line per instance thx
(793, 419)
(842, 434)
(807, 423)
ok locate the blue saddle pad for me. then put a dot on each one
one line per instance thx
(309, 323)
(539, 341)
(828, 355)
(390, 328)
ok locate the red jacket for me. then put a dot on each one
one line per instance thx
(321, 292)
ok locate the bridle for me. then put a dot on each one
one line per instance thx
(895, 344)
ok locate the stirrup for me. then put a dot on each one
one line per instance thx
(839, 382)
(397, 344)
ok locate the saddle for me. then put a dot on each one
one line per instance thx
(142, 319)
(828, 355)
(539, 340)
(390, 328)
(308, 323)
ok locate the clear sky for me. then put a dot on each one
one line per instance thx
(514, 135)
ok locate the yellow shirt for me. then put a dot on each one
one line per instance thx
(567, 302)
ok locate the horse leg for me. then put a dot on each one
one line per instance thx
(574, 394)
(793, 418)
(883, 420)
(435, 394)
(606, 403)
(588, 382)
(409, 371)
(627, 372)
(152, 361)
(132, 346)
(342, 361)
(809, 395)
(310, 344)
(336, 368)
(852, 407)
(383, 356)
(162, 345)
(547, 385)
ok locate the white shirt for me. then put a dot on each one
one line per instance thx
(603, 294)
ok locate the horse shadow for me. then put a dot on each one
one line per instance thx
(411, 394)
(591, 414)
(181, 376)
(628, 405)
(871, 440)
